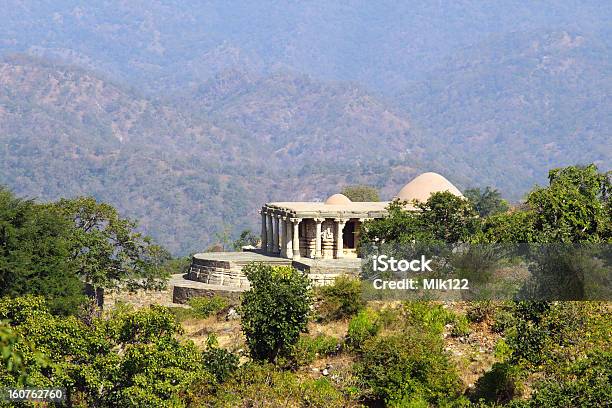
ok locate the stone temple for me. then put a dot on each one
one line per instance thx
(320, 238)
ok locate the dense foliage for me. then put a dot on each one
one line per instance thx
(340, 300)
(486, 202)
(35, 253)
(275, 310)
(575, 207)
(361, 193)
(131, 359)
(412, 353)
(54, 249)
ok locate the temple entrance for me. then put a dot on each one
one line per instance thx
(348, 235)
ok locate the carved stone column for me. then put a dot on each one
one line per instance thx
(269, 231)
(282, 240)
(264, 231)
(340, 223)
(318, 254)
(288, 237)
(275, 234)
(296, 237)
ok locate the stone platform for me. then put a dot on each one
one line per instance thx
(184, 289)
(224, 269)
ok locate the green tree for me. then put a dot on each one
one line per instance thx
(444, 217)
(35, 254)
(246, 238)
(361, 192)
(448, 217)
(11, 357)
(275, 310)
(575, 207)
(408, 369)
(511, 227)
(108, 250)
(131, 359)
(486, 202)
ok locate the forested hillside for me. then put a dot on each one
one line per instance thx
(519, 104)
(189, 118)
(188, 171)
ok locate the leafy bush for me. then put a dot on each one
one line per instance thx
(275, 310)
(503, 321)
(217, 361)
(255, 385)
(307, 349)
(500, 384)
(363, 326)
(206, 306)
(153, 367)
(586, 385)
(36, 245)
(433, 318)
(407, 368)
(341, 300)
(480, 311)
(461, 326)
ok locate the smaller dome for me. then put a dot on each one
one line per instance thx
(337, 199)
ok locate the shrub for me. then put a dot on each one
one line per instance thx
(461, 326)
(363, 326)
(206, 306)
(131, 359)
(341, 300)
(500, 384)
(433, 318)
(275, 310)
(427, 315)
(529, 336)
(587, 385)
(407, 368)
(307, 349)
(503, 321)
(255, 385)
(217, 361)
(480, 311)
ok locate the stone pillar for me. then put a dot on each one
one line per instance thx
(340, 223)
(269, 240)
(264, 231)
(282, 240)
(318, 237)
(275, 234)
(288, 237)
(296, 237)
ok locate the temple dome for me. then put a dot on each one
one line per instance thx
(425, 185)
(337, 199)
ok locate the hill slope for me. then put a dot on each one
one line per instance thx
(515, 106)
(188, 173)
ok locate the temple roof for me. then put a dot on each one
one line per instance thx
(313, 209)
(340, 206)
(337, 199)
(424, 185)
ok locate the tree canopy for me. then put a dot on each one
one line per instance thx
(36, 245)
(486, 202)
(361, 192)
(275, 310)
